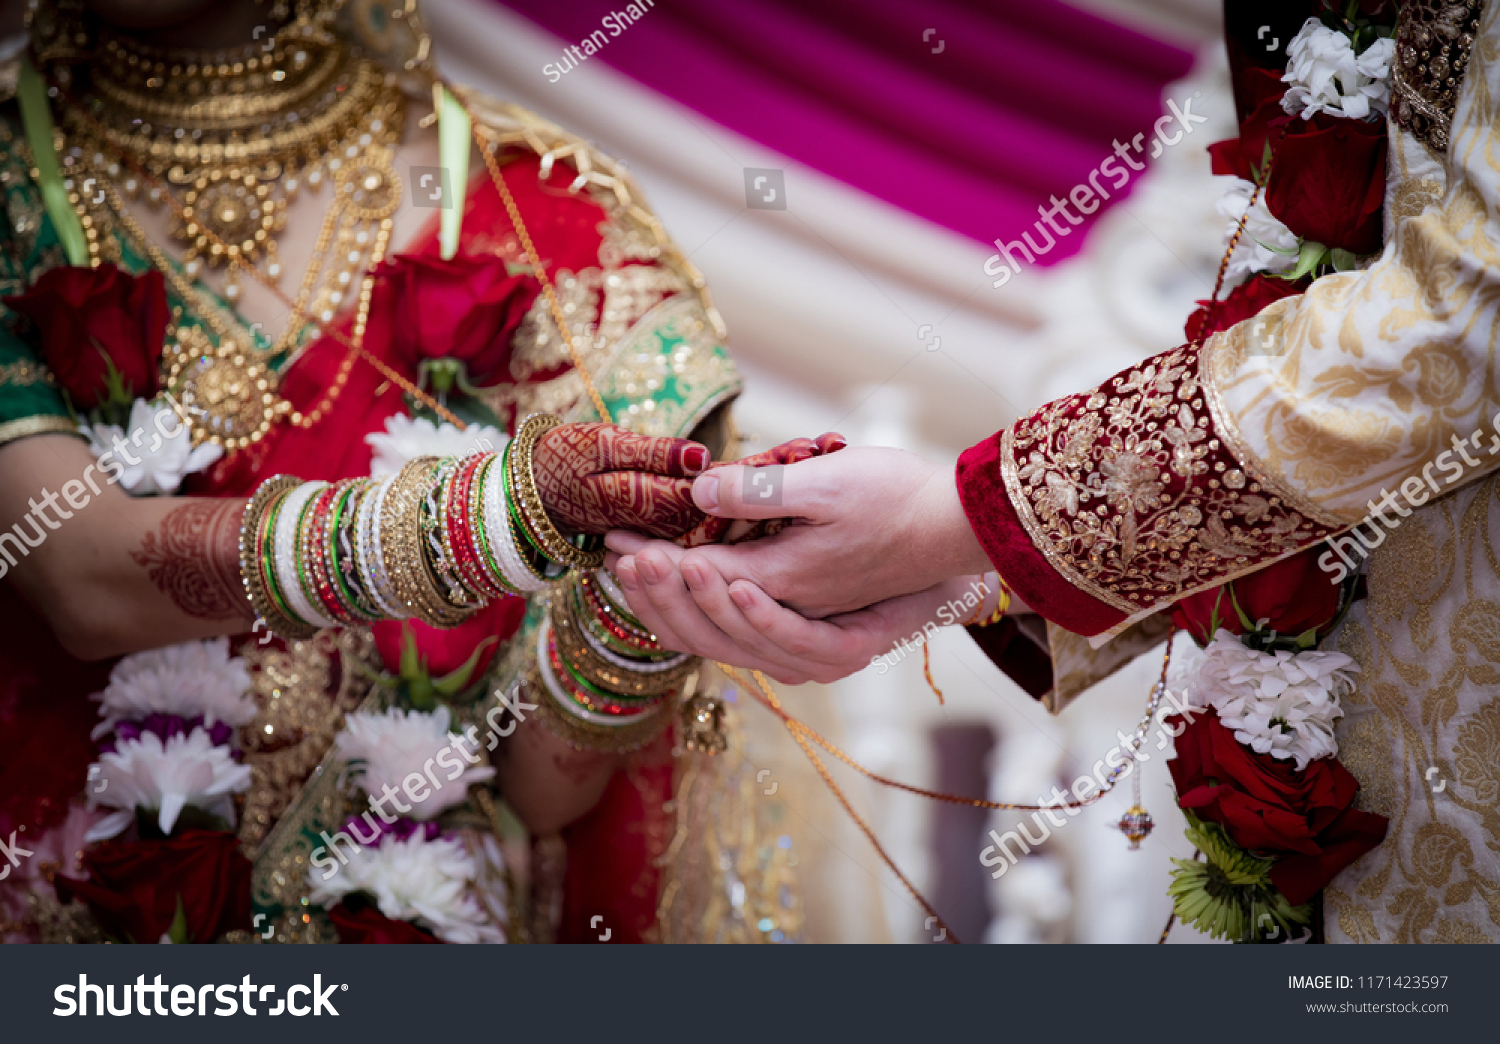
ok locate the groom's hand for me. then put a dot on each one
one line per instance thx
(868, 525)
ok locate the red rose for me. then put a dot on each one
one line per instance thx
(465, 309)
(1243, 302)
(447, 650)
(134, 886)
(1304, 819)
(1257, 94)
(369, 925)
(1328, 182)
(87, 315)
(1295, 595)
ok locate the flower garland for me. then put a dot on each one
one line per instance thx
(1269, 807)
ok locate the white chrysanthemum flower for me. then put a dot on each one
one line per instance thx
(1266, 245)
(1325, 75)
(189, 679)
(407, 438)
(385, 748)
(1279, 703)
(431, 883)
(164, 778)
(158, 441)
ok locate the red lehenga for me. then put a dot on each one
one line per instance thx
(629, 869)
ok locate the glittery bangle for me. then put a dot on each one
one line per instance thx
(539, 524)
(406, 561)
(367, 551)
(435, 539)
(614, 675)
(463, 527)
(251, 554)
(579, 727)
(620, 629)
(593, 698)
(268, 551)
(343, 563)
(313, 564)
(534, 564)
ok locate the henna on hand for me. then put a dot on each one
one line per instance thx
(194, 559)
(596, 477)
(715, 530)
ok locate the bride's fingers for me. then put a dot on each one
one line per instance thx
(711, 594)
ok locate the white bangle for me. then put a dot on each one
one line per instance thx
(501, 537)
(286, 550)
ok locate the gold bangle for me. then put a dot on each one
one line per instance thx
(529, 499)
(584, 735)
(401, 546)
(251, 555)
(632, 684)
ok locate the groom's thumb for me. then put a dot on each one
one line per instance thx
(736, 491)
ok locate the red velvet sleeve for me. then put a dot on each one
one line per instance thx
(1120, 500)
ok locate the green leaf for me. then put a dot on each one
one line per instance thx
(1308, 638)
(1245, 620)
(1309, 258)
(1259, 173)
(411, 663)
(178, 932)
(457, 680)
(1343, 260)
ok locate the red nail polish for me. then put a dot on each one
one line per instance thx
(696, 459)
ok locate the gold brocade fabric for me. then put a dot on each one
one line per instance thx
(1363, 382)
(1422, 730)
(1077, 666)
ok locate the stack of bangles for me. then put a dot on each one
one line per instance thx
(439, 539)
(433, 542)
(600, 680)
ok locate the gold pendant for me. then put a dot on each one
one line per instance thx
(703, 730)
(228, 216)
(223, 393)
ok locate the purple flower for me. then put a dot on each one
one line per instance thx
(165, 726)
(401, 829)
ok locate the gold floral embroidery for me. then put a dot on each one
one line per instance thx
(1131, 494)
(23, 373)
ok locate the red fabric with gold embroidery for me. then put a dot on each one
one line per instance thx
(1122, 499)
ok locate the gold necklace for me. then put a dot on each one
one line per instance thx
(241, 133)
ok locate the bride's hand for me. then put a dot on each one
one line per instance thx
(596, 477)
(689, 607)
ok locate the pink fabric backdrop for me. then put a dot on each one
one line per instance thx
(1023, 100)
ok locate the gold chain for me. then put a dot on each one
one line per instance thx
(553, 305)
